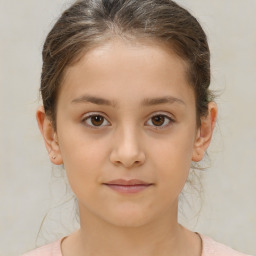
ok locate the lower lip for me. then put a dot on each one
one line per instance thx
(128, 189)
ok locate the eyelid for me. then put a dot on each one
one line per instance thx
(91, 114)
(171, 119)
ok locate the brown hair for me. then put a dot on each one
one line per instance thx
(88, 23)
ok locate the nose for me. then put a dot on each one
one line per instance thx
(126, 150)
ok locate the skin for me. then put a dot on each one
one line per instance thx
(128, 145)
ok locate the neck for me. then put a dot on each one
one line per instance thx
(164, 236)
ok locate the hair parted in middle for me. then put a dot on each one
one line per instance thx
(90, 23)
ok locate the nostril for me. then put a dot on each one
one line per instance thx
(127, 158)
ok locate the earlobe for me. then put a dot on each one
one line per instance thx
(204, 133)
(49, 135)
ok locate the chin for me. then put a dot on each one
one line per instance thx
(129, 223)
(128, 218)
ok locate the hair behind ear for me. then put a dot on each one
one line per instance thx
(49, 135)
(205, 132)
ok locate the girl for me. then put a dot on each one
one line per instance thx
(126, 110)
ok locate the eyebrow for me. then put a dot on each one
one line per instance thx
(145, 101)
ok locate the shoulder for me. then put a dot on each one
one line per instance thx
(213, 248)
(47, 250)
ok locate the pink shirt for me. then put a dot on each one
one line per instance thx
(210, 248)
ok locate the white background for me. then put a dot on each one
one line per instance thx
(26, 187)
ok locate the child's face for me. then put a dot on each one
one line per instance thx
(128, 142)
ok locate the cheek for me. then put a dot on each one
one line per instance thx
(176, 156)
(79, 148)
(83, 159)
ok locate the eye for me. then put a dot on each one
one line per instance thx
(160, 121)
(95, 120)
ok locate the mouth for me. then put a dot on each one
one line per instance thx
(131, 182)
(128, 186)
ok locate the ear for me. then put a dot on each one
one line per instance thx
(49, 136)
(204, 133)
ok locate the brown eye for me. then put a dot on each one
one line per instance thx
(160, 121)
(95, 121)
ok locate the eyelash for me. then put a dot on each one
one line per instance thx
(171, 121)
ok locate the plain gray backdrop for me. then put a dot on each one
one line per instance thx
(27, 189)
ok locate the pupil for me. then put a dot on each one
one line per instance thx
(97, 120)
(158, 120)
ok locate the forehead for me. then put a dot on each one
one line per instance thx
(117, 51)
(119, 67)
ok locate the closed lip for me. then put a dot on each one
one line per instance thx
(131, 182)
